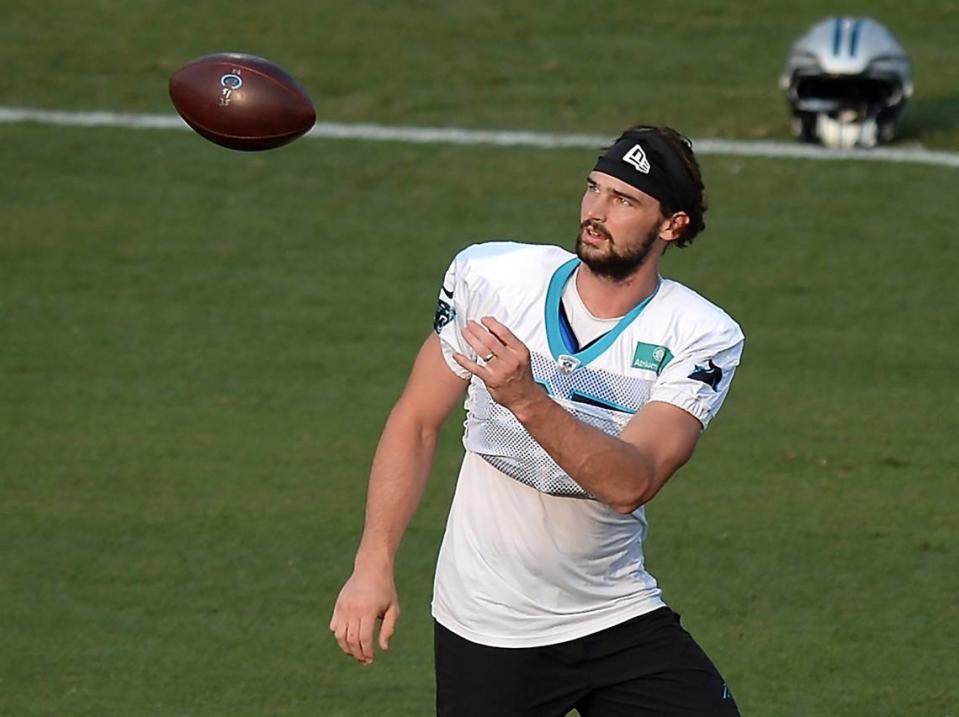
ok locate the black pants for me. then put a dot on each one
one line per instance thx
(647, 666)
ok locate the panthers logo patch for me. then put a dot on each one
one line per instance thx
(444, 314)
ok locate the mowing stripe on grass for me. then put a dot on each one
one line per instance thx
(504, 138)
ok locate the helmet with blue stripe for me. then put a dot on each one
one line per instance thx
(847, 80)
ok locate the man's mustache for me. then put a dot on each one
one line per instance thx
(596, 227)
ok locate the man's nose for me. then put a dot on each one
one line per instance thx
(596, 208)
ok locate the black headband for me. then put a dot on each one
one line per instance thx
(645, 160)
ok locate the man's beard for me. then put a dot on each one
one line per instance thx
(613, 264)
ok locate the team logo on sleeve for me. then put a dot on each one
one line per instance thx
(444, 314)
(710, 374)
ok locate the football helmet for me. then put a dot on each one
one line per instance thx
(847, 80)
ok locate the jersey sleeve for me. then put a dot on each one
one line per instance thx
(698, 379)
(451, 315)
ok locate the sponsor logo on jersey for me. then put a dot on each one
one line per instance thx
(651, 357)
(710, 374)
(637, 157)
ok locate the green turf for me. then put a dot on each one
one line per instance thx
(184, 460)
(198, 349)
(711, 67)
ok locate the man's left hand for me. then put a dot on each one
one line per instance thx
(505, 367)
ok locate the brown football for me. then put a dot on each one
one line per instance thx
(241, 101)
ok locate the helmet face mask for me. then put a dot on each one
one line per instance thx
(847, 129)
(847, 81)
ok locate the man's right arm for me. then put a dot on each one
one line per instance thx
(398, 477)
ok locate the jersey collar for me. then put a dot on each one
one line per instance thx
(559, 343)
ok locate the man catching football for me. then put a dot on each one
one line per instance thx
(589, 379)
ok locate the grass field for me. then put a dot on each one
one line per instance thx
(198, 349)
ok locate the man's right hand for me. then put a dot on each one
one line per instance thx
(368, 596)
(401, 467)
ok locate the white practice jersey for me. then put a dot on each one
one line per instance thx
(530, 558)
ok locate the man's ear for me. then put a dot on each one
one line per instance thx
(673, 226)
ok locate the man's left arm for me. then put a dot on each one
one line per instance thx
(623, 472)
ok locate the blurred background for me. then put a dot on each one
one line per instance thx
(199, 347)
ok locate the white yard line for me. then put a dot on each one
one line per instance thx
(505, 138)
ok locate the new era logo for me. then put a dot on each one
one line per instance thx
(637, 157)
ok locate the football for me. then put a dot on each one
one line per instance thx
(241, 101)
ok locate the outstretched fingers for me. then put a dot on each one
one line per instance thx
(481, 340)
(502, 334)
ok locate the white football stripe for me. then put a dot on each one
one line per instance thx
(505, 138)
